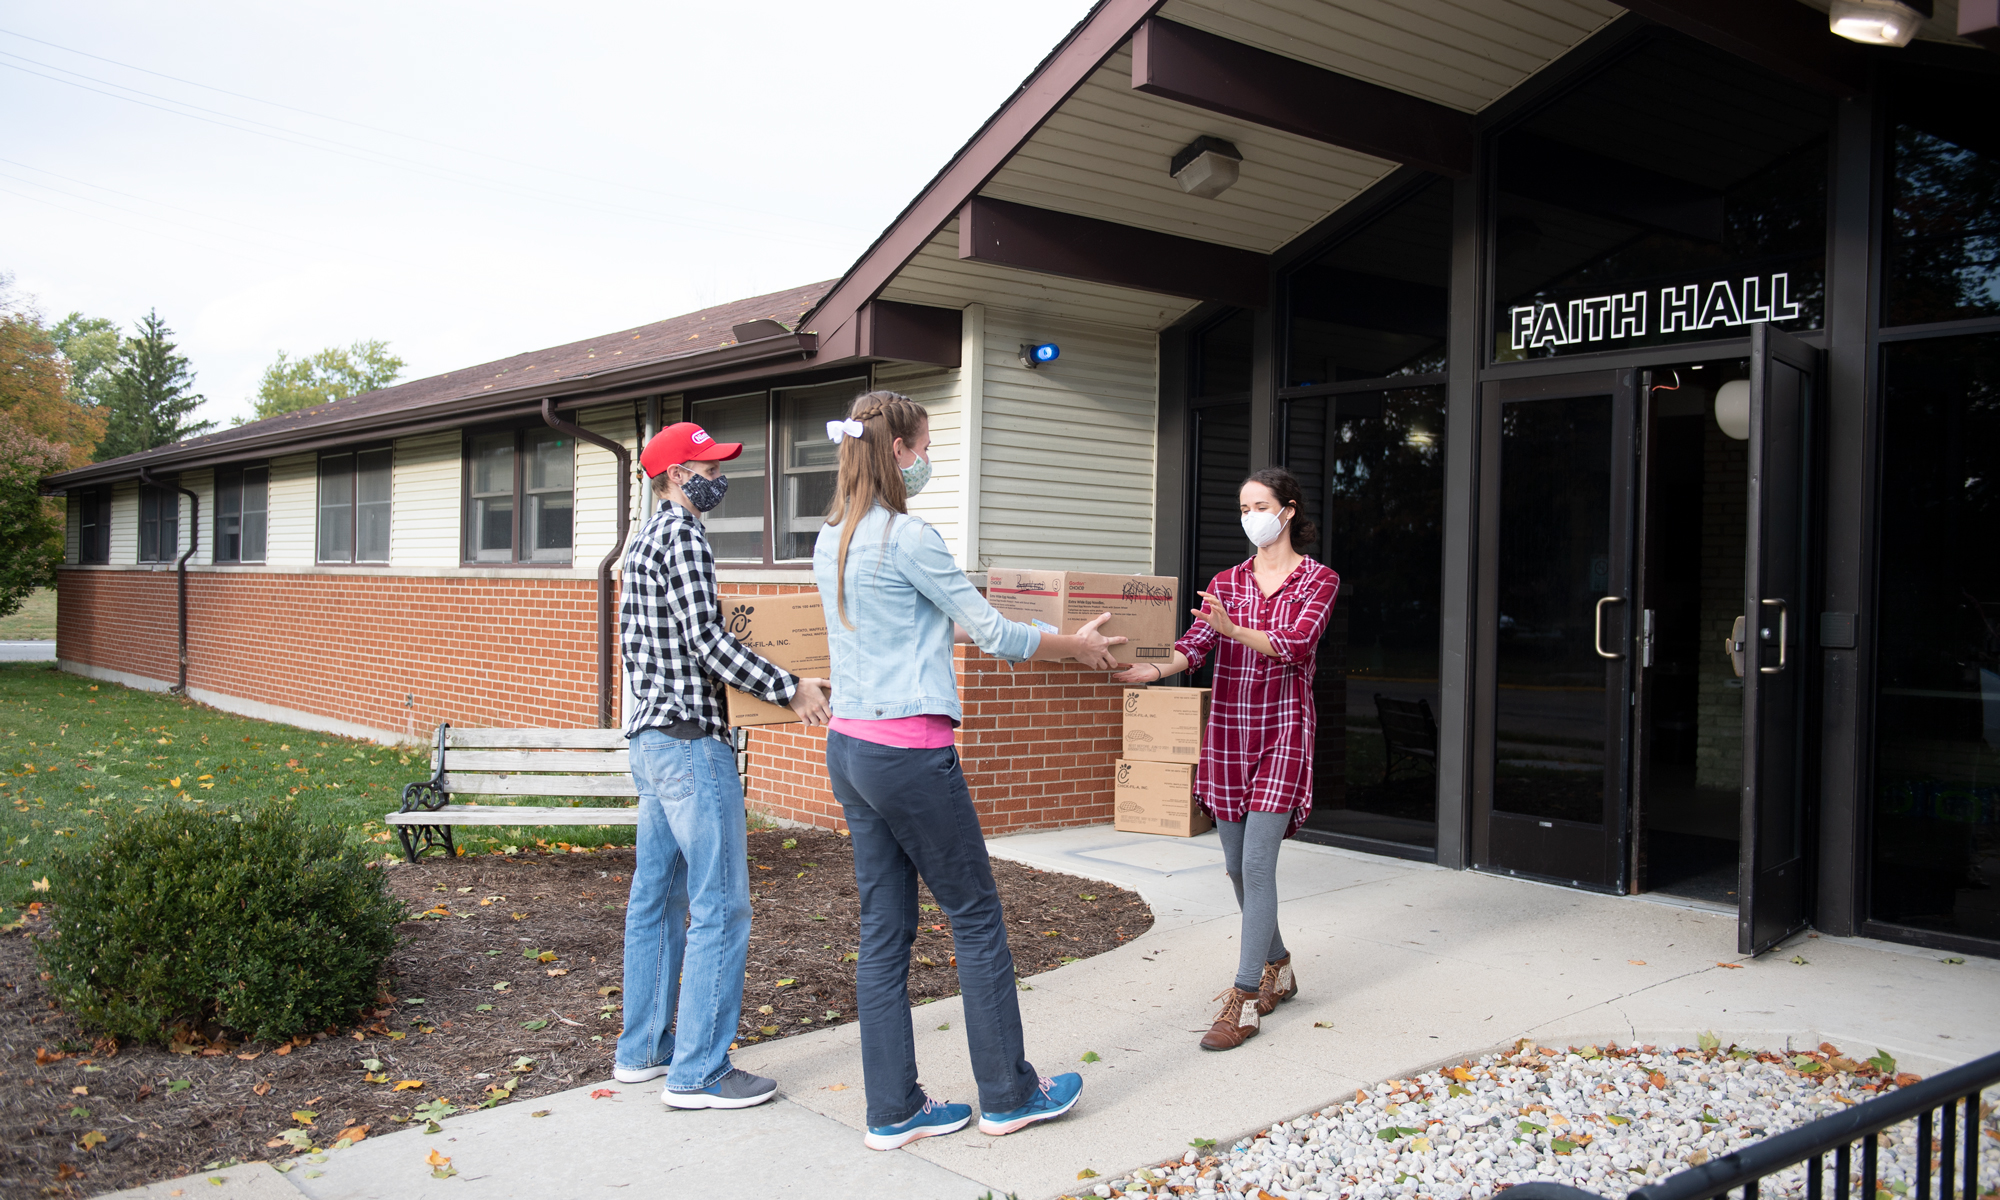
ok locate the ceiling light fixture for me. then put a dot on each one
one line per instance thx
(1732, 408)
(1206, 167)
(1876, 22)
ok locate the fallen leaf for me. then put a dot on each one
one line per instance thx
(546, 956)
(542, 1113)
(304, 1116)
(1086, 1173)
(1656, 1080)
(65, 1171)
(41, 885)
(1637, 962)
(555, 971)
(43, 1058)
(92, 1140)
(765, 1009)
(441, 1167)
(601, 1093)
(534, 1026)
(283, 1050)
(350, 1135)
(79, 1091)
(262, 1089)
(404, 1085)
(251, 1057)
(786, 982)
(1462, 1074)
(836, 1087)
(1800, 959)
(1090, 1056)
(1730, 966)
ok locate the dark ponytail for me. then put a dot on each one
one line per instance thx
(1290, 495)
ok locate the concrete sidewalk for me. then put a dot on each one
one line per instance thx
(1401, 966)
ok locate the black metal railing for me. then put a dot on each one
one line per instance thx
(1945, 1108)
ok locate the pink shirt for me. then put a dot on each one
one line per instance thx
(930, 731)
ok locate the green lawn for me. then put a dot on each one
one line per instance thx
(36, 618)
(75, 754)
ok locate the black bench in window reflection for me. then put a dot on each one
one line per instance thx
(1409, 734)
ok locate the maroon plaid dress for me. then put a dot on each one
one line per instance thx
(1258, 756)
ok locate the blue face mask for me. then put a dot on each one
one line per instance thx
(704, 493)
(915, 476)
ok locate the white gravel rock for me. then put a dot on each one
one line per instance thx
(1606, 1120)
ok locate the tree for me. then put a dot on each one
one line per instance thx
(31, 535)
(334, 373)
(91, 346)
(34, 385)
(151, 395)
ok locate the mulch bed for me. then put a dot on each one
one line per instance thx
(508, 981)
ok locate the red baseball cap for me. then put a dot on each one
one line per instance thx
(681, 443)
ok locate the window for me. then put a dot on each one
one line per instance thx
(159, 524)
(736, 526)
(354, 506)
(1941, 246)
(1679, 195)
(812, 463)
(520, 496)
(242, 507)
(1375, 304)
(91, 510)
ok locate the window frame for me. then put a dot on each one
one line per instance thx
(93, 520)
(863, 380)
(156, 495)
(467, 551)
(239, 476)
(352, 453)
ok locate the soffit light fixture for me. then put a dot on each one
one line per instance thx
(1876, 22)
(1206, 167)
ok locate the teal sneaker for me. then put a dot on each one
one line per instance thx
(934, 1118)
(1052, 1099)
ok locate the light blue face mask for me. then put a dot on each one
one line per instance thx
(915, 476)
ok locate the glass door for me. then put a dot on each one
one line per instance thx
(1552, 728)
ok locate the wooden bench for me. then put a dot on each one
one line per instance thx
(514, 762)
(1409, 733)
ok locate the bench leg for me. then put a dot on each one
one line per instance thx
(422, 839)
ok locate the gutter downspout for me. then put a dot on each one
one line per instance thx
(604, 703)
(181, 568)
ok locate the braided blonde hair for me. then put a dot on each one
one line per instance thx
(868, 471)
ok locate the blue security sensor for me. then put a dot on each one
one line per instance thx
(1035, 355)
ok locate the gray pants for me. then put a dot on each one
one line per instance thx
(1250, 855)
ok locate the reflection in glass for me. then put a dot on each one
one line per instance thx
(336, 508)
(736, 526)
(1942, 244)
(371, 510)
(548, 494)
(1680, 195)
(489, 507)
(1554, 565)
(1372, 468)
(1936, 828)
(812, 463)
(1375, 304)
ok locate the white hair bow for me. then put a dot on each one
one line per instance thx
(835, 430)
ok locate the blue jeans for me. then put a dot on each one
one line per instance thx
(687, 924)
(909, 815)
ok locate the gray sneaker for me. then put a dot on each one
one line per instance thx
(738, 1089)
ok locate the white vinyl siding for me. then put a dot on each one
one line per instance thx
(940, 391)
(124, 524)
(1067, 456)
(424, 513)
(293, 524)
(597, 482)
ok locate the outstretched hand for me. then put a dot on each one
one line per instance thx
(1215, 614)
(1093, 648)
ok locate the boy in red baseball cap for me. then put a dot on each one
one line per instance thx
(684, 979)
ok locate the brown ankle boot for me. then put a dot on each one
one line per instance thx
(1236, 1023)
(1277, 986)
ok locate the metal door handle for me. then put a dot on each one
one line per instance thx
(1599, 636)
(1782, 612)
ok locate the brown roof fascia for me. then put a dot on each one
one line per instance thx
(1096, 38)
(726, 363)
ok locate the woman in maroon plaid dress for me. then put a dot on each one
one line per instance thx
(1262, 619)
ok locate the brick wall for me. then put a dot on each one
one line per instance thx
(1038, 741)
(473, 651)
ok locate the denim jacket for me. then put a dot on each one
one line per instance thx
(902, 598)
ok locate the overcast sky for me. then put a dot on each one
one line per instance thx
(467, 180)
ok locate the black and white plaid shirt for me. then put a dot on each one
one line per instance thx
(671, 634)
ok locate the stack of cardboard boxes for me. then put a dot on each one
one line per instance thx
(1163, 732)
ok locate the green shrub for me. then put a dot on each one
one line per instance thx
(252, 922)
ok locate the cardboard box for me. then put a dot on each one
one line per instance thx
(1165, 724)
(1144, 608)
(1157, 797)
(789, 631)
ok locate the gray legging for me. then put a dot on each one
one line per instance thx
(1250, 855)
